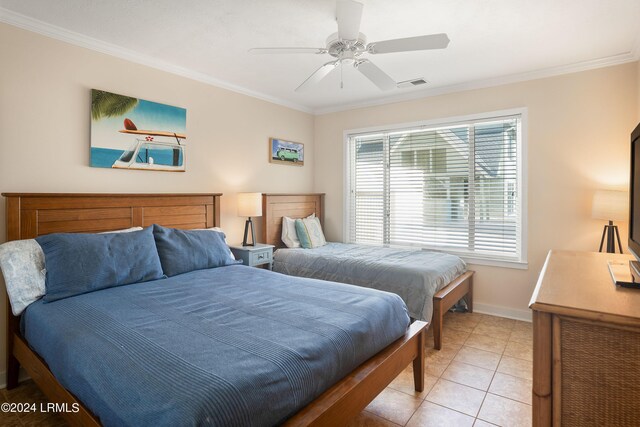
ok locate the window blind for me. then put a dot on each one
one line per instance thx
(453, 187)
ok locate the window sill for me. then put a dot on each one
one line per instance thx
(518, 265)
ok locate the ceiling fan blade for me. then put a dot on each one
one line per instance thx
(432, 41)
(348, 14)
(376, 75)
(318, 75)
(278, 50)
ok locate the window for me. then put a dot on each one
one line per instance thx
(454, 187)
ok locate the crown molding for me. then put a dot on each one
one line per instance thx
(34, 25)
(608, 61)
(27, 23)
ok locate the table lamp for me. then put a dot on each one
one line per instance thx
(612, 206)
(249, 204)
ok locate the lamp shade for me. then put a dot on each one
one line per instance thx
(249, 204)
(610, 205)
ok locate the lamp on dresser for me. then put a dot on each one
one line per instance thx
(249, 205)
(610, 205)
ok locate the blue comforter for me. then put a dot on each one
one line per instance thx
(227, 346)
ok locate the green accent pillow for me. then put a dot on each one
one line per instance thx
(310, 233)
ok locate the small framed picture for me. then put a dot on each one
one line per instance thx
(286, 152)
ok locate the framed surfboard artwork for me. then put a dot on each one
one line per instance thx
(132, 133)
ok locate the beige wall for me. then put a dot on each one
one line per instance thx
(578, 141)
(44, 130)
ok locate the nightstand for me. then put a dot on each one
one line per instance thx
(253, 256)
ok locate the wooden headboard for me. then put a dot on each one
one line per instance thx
(275, 206)
(30, 215)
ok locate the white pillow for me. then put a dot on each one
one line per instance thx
(289, 235)
(22, 265)
(310, 233)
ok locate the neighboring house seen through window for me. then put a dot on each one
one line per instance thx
(455, 188)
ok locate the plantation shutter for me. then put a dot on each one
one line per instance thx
(368, 183)
(453, 188)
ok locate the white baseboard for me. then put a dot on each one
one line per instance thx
(22, 376)
(496, 310)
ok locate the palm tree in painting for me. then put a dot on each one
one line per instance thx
(107, 104)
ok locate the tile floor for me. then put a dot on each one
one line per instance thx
(481, 377)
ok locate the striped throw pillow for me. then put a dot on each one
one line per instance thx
(310, 233)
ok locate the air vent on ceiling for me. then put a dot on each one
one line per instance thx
(412, 83)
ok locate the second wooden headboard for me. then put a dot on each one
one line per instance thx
(275, 206)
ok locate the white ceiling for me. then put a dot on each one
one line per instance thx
(491, 40)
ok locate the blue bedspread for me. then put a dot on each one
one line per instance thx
(413, 274)
(227, 346)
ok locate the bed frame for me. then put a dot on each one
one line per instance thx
(32, 215)
(275, 206)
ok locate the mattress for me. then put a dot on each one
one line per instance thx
(227, 346)
(415, 275)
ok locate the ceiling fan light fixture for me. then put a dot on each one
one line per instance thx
(349, 44)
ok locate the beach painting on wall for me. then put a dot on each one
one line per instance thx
(131, 133)
(286, 152)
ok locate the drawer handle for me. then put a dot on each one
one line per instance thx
(261, 256)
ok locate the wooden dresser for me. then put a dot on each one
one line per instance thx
(586, 344)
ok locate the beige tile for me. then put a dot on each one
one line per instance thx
(460, 324)
(470, 375)
(498, 321)
(516, 367)
(524, 337)
(367, 419)
(512, 387)
(394, 406)
(447, 352)
(432, 415)
(476, 316)
(476, 357)
(521, 326)
(493, 331)
(486, 343)
(435, 367)
(480, 423)
(456, 396)
(404, 383)
(454, 336)
(519, 350)
(505, 412)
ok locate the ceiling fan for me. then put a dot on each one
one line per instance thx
(349, 44)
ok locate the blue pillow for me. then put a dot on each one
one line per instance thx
(182, 251)
(79, 263)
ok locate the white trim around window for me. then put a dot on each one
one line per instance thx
(431, 163)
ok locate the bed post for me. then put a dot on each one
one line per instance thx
(418, 362)
(13, 366)
(13, 233)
